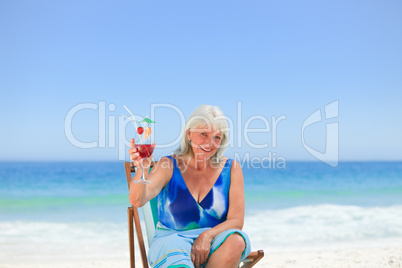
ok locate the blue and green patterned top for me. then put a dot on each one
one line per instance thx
(178, 210)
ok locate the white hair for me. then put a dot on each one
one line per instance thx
(206, 116)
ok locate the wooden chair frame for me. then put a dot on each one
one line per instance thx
(134, 220)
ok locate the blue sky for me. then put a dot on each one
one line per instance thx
(273, 58)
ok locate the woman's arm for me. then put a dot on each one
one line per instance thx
(235, 217)
(159, 176)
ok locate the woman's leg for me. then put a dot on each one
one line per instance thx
(170, 250)
(229, 253)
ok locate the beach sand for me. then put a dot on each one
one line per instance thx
(363, 257)
(385, 256)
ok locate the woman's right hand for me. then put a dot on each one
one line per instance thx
(135, 156)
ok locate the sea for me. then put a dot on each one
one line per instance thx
(78, 210)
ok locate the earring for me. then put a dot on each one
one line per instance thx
(189, 141)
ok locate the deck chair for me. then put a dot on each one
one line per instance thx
(150, 213)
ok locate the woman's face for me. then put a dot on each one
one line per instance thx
(204, 141)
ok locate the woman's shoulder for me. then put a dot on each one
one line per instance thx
(234, 164)
(173, 157)
(166, 162)
(166, 158)
(227, 160)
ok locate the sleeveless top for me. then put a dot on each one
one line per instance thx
(178, 210)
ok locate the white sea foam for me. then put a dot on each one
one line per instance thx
(66, 241)
(271, 230)
(323, 225)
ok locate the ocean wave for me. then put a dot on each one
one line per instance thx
(272, 230)
(46, 202)
(323, 224)
(48, 240)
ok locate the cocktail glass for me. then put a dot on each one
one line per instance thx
(145, 151)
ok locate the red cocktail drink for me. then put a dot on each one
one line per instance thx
(145, 150)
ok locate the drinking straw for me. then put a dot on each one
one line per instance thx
(135, 124)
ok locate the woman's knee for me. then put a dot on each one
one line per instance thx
(236, 243)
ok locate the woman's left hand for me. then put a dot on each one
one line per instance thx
(200, 249)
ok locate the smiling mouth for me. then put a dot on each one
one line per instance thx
(205, 149)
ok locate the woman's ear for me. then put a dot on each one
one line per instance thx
(188, 134)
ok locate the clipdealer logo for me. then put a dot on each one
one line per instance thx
(331, 154)
(109, 122)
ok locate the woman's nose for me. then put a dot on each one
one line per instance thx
(211, 143)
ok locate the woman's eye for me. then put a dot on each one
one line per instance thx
(217, 137)
(203, 133)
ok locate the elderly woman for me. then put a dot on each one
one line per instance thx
(200, 198)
